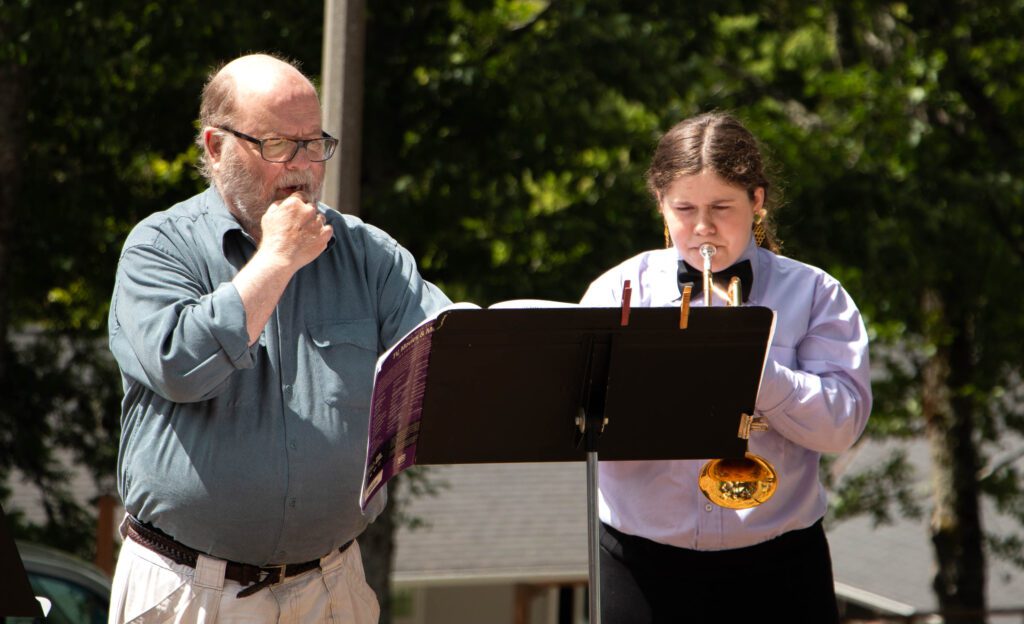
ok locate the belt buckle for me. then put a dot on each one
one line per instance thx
(269, 570)
(267, 579)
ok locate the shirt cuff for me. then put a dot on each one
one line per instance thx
(227, 326)
(778, 384)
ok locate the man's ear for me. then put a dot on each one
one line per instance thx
(213, 141)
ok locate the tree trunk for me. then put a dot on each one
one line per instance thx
(378, 545)
(956, 530)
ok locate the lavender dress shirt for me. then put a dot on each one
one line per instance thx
(815, 395)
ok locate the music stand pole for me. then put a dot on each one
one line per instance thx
(590, 421)
(591, 429)
(593, 533)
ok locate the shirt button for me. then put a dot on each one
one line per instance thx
(291, 503)
(707, 507)
(292, 445)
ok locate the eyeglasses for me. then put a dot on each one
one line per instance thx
(279, 150)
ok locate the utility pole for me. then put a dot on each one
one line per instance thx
(342, 93)
(344, 49)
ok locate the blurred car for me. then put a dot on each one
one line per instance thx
(79, 592)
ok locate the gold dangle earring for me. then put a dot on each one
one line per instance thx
(759, 232)
(668, 239)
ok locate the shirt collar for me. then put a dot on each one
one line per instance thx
(224, 221)
(758, 262)
(220, 216)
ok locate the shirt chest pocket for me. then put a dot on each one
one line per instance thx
(344, 355)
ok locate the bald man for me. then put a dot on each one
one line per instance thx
(246, 322)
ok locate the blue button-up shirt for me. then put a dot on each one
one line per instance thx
(815, 395)
(252, 453)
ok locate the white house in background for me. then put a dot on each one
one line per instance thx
(507, 544)
(502, 544)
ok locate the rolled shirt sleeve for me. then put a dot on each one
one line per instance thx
(821, 401)
(170, 335)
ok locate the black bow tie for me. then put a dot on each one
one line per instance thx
(689, 275)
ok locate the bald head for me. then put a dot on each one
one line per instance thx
(264, 93)
(260, 75)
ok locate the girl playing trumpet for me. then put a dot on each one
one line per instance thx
(667, 553)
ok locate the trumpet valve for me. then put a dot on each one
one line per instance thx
(750, 423)
(734, 296)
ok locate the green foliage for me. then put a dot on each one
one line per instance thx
(505, 144)
(112, 93)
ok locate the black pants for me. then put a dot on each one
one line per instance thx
(787, 579)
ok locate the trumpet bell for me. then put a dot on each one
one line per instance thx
(738, 483)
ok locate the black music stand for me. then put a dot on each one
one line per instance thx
(563, 384)
(17, 598)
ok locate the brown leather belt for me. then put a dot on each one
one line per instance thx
(242, 573)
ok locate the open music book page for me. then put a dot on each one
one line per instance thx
(397, 401)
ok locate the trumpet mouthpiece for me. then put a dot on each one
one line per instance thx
(707, 250)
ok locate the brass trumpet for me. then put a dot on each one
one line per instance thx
(735, 483)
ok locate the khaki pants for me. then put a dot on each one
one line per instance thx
(150, 588)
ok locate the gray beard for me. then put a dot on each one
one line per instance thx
(248, 196)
